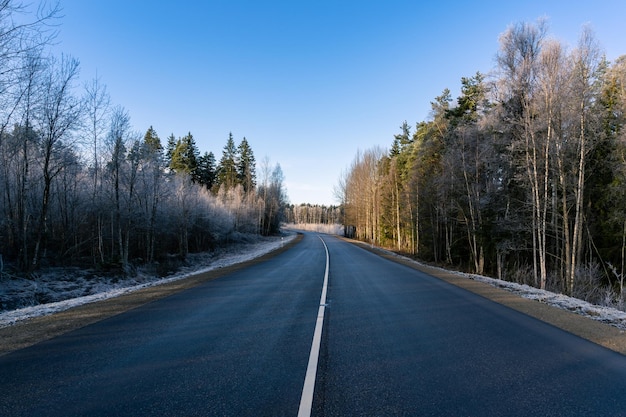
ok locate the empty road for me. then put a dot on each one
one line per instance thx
(394, 342)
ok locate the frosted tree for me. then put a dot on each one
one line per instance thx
(60, 114)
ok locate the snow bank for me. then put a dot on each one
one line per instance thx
(71, 290)
(608, 315)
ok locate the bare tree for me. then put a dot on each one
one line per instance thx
(274, 197)
(520, 49)
(97, 112)
(60, 114)
(18, 154)
(118, 140)
(363, 195)
(97, 109)
(585, 63)
(21, 39)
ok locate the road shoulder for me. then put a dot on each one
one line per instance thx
(597, 332)
(31, 331)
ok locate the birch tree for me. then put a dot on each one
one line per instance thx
(97, 112)
(520, 49)
(118, 140)
(585, 63)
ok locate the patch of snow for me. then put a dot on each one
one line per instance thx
(82, 289)
(60, 289)
(608, 315)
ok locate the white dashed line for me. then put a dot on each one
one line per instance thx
(306, 401)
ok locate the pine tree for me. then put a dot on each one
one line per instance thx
(401, 141)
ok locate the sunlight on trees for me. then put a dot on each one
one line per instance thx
(524, 173)
(81, 187)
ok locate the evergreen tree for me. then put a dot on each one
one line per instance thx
(472, 102)
(206, 170)
(152, 141)
(401, 141)
(185, 157)
(246, 166)
(227, 168)
(171, 148)
(152, 175)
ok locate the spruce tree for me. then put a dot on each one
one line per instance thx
(152, 141)
(184, 158)
(171, 148)
(227, 168)
(191, 156)
(246, 166)
(206, 170)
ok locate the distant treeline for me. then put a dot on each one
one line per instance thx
(313, 214)
(523, 177)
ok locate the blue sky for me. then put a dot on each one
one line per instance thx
(308, 83)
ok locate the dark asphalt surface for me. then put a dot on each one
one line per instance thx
(398, 342)
(235, 346)
(395, 342)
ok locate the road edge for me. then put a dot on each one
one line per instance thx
(37, 329)
(597, 332)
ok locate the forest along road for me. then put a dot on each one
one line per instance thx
(394, 341)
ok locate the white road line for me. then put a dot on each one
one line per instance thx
(306, 401)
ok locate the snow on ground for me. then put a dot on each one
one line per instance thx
(608, 315)
(62, 289)
(80, 289)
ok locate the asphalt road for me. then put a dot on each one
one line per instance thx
(395, 342)
(398, 342)
(235, 346)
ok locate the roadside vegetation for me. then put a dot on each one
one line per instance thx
(80, 187)
(522, 177)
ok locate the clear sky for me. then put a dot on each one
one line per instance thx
(307, 82)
